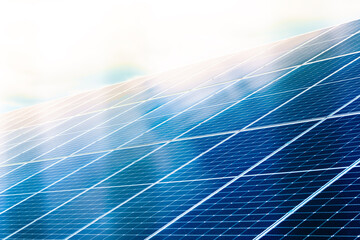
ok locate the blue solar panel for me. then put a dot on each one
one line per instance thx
(320, 101)
(352, 108)
(148, 170)
(334, 143)
(234, 118)
(239, 153)
(308, 75)
(333, 214)
(349, 45)
(259, 144)
(19, 215)
(136, 219)
(248, 206)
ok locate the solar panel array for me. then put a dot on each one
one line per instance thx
(261, 144)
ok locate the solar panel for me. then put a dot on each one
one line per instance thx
(263, 144)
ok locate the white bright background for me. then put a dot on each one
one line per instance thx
(50, 49)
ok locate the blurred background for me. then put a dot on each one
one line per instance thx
(50, 49)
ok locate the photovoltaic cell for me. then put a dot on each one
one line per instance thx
(258, 144)
(333, 214)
